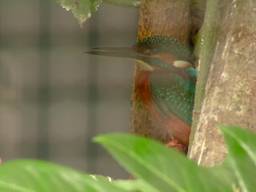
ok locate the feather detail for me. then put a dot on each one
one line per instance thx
(168, 124)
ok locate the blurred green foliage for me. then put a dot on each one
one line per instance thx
(155, 167)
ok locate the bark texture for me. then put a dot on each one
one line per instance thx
(231, 86)
(158, 17)
(165, 17)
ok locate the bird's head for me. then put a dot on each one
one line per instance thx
(156, 52)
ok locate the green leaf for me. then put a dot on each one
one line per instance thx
(158, 168)
(135, 185)
(164, 169)
(242, 156)
(39, 176)
(81, 9)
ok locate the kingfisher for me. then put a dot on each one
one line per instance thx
(165, 86)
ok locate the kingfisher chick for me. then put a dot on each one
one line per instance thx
(165, 86)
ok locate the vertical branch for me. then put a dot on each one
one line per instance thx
(231, 86)
(205, 47)
(169, 18)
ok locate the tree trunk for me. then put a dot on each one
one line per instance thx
(169, 18)
(230, 91)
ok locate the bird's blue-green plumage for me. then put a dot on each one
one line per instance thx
(173, 94)
(172, 88)
(156, 44)
(172, 91)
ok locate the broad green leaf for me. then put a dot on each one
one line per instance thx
(81, 9)
(164, 169)
(242, 156)
(135, 185)
(134, 3)
(39, 176)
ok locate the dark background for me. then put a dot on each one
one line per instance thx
(54, 98)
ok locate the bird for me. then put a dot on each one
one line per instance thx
(165, 86)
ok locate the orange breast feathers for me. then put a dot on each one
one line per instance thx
(142, 88)
(169, 125)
